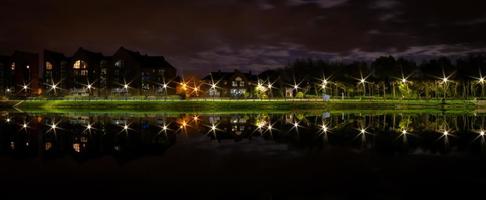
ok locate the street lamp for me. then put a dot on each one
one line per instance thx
(126, 86)
(25, 88)
(481, 81)
(362, 81)
(445, 81)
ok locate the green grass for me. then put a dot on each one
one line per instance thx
(239, 106)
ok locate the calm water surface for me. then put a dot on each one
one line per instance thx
(243, 156)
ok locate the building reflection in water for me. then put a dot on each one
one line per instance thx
(125, 137)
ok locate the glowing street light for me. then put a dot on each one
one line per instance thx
(482, 133)
(295, 126)
(125, 86)
(53, 127)
(164, 128)
(324, 128)
(184, 86)
(404, 80)
(8, 120)
(445, 79)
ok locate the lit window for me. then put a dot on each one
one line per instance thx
(77, 147)
(48, 66)
(119, 63)
(242, 83)
(79, 64)
(13, 66)
(234, 83)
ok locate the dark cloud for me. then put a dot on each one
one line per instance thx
(199, 36)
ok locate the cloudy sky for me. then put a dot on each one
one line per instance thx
(199, 36)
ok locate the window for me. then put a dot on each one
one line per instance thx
(77, 147)
(13, 66)
(48, 66)
(242, 83)
(79, 64)
(234, 83)
(119, 63)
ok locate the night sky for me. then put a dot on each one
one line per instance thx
(199, 36)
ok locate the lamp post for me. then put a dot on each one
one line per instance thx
(404, 82)
(363, 82)
(164, 86)
(445, 81)
(481, 81)
(89, 87)
(7, 92)
(213, 90)
(125, 86)
(25, 88)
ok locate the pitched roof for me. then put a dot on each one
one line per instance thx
(219, 75)
(148, 61)
(54, 55)
(95, 55)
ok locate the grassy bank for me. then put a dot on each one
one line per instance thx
(247, 106)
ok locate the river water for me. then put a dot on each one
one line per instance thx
(308, 155)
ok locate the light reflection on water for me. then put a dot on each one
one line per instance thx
(127, 137)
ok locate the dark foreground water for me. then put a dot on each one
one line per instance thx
(242, 156)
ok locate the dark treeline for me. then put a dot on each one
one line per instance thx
(387, 77)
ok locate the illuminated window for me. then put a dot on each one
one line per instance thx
(13, 66)
(77, 147)
(79, 64)
(234, 83)
(242, 83)
(48, 66)
(119, 63)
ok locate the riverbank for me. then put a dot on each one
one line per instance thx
(247, 105)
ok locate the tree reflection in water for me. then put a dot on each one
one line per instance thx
(125, 137)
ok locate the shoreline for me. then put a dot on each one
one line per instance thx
(245, 105)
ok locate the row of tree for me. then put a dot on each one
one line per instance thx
(386, 77)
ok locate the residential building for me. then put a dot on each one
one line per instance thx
(230, 84)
